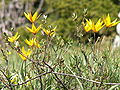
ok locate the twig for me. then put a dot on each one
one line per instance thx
(64, 74)
(85, 79)
(57, 78)
(31, 79)
(8, 85)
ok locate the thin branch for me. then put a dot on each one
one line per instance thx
(7, 85)
(29, 79)
(64, 74)
(85, 79)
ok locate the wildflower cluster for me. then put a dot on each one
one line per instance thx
(105, 21)
(34, 30)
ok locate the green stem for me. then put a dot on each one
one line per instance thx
(25, 68)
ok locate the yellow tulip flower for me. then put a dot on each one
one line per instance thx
(34, 30)
(96, 27)
(32, 18)
(25, 53)
(32, 42)
(49, 32)
(91, 26)
(108, 23)
(13, 38)
(88, 25)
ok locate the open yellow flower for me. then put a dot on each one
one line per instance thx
(49, 32)
(25, 53)
(32, 18)
(13, 38)
(90, 25)
(96, 27)
(33, 42)
(108, 23)
(34, 30)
